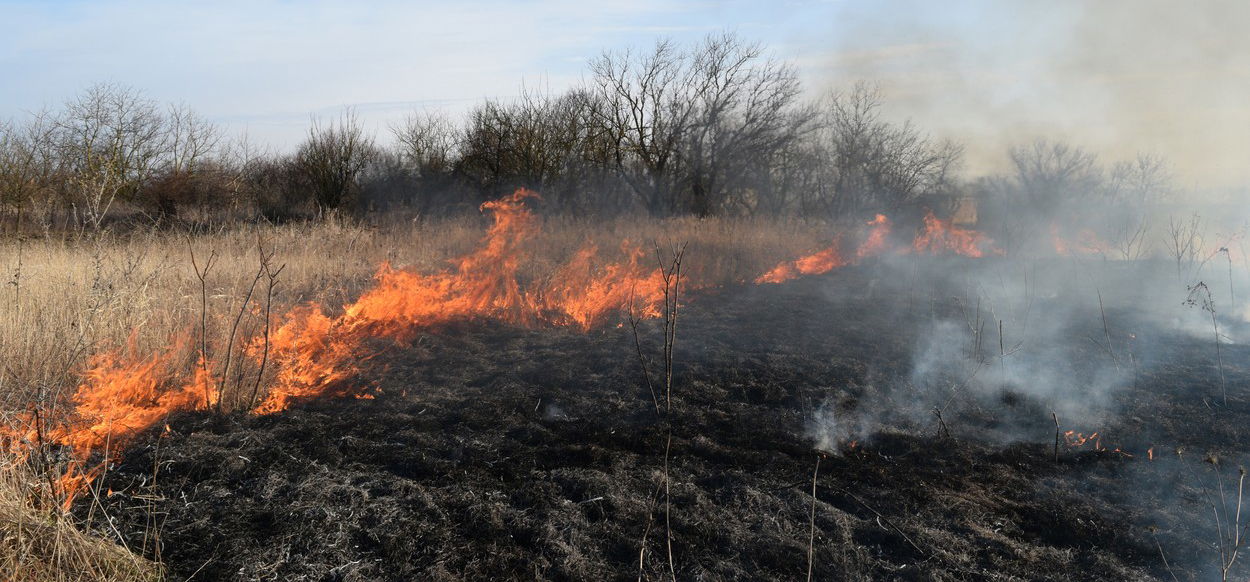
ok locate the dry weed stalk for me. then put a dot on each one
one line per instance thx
(671, 273)
(1231, 533)
(202, 275)
(1200, 296)
(271, 280)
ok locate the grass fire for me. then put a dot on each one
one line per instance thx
(700, 307)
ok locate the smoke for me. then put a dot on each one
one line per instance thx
(1117, 77)
(998, 344)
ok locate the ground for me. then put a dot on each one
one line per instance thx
(496, 452)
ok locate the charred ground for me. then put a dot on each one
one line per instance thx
(494, 452)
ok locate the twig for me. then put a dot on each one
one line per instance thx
(642, 546)
(668, 527)
(642, 360)
(1107, 331)
(811, 538)
(883, 518)
(234, 328)
(1056, 419)
(1163, 556)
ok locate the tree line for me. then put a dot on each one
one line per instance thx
(715, 128)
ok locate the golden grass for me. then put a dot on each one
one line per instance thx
(62, 300)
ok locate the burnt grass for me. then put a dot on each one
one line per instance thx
(495, 452)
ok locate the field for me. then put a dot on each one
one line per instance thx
(906, 413)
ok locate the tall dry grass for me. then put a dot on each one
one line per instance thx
(63, 300)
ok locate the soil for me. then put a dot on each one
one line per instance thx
(493, 452)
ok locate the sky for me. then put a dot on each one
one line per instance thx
(1114, 76)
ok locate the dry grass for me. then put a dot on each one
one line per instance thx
(65, 299)
(38, 544)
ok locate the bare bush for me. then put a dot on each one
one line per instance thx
(332, 158)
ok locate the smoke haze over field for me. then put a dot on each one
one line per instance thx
(1114, 77)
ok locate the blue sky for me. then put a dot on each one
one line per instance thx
(1116, 76)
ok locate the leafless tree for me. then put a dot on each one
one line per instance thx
(25, 161)
(191, 139)
(876, 165)
(1185, 245)
(745, 111)
(687, 128)
(109, 140)
(332, 157)
(428, 144)
(1143, 181)
(1052, 174)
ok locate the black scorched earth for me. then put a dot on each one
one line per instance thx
(496, 452)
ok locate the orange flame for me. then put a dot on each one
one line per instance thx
(314, 353)
(1087, 243)
(817, 263)
(940, 236)
(877, 238)
(119, 397)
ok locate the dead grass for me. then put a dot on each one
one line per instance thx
(39, 544)
(65, 299)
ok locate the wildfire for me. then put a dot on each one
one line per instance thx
(876, 241)
(120, 396)
(1086, 243)
(314, 353)
(941, 236)
(817, 263)
(1077, 440)
(937, 237)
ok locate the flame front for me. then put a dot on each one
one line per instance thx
(940, 236)
(936, 237)
(817, 263)
(1086, 243)
(315, 353)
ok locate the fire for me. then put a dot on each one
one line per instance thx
(314, 353)
(582, 296)
(1075, 439)
(937, 237)
(941, 236)
(816, 263)
(1086, 243)
(876, 242)
(119, 397)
